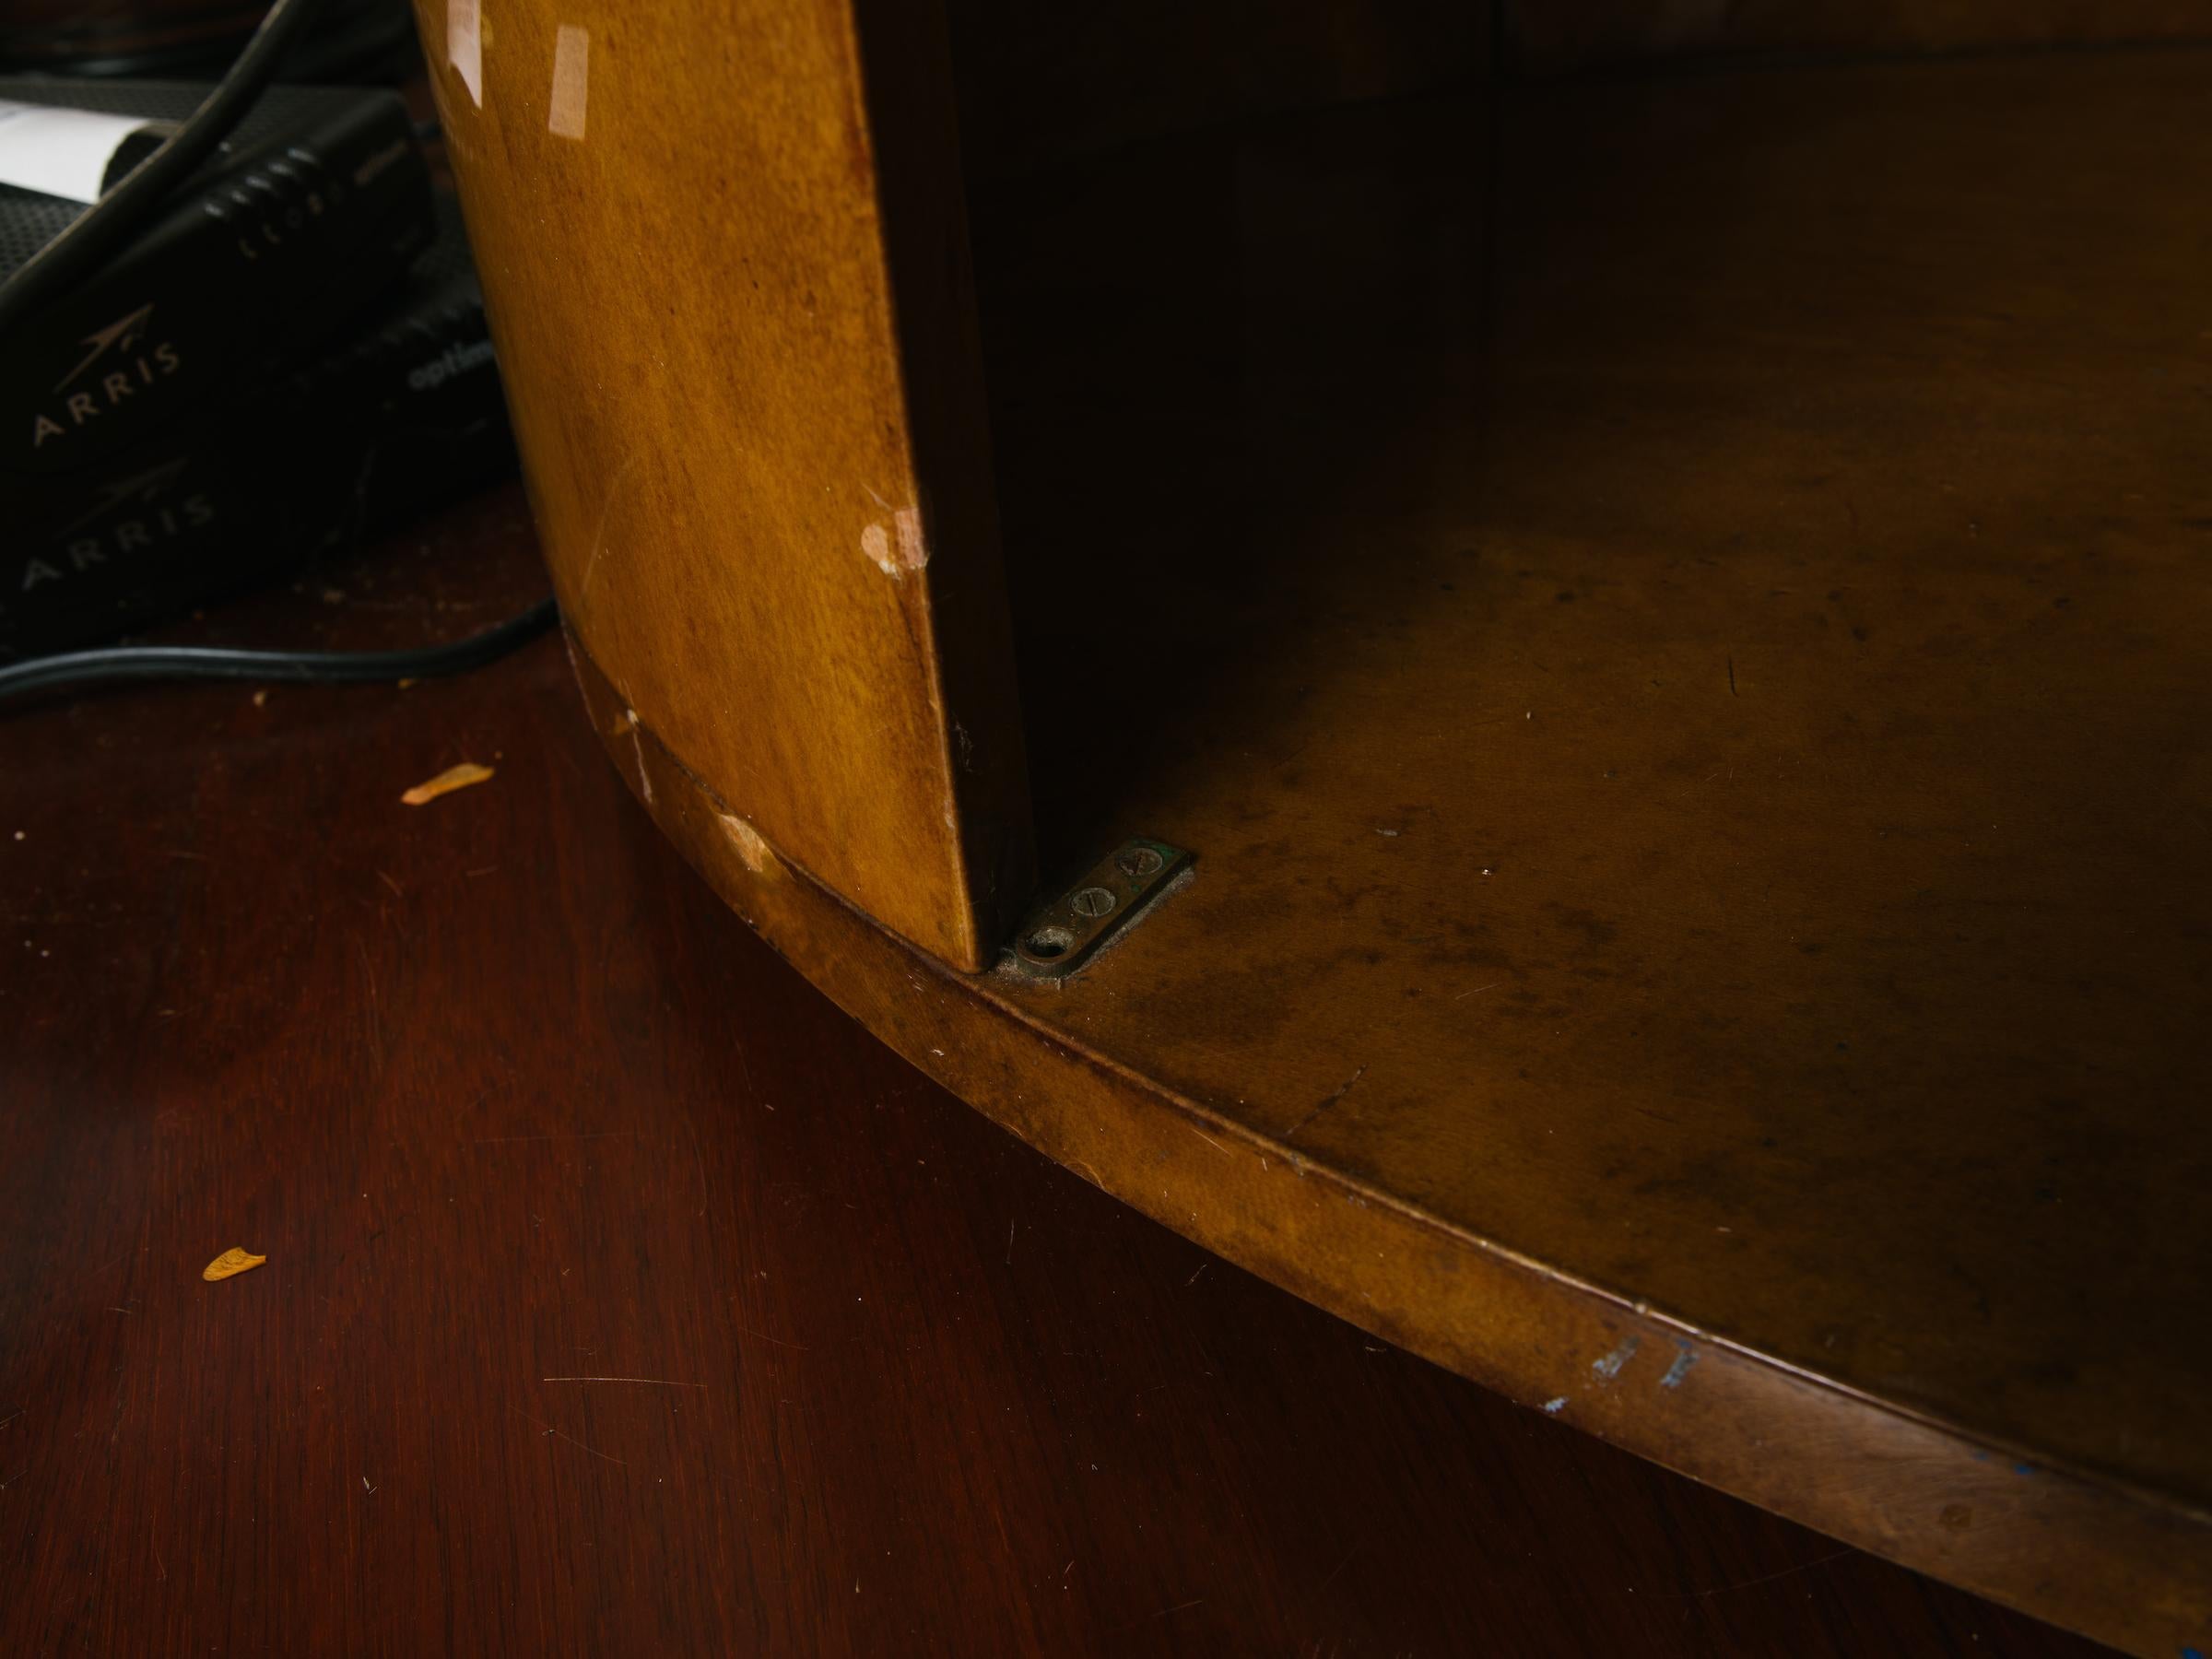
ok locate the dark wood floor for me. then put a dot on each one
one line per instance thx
(623, 1295)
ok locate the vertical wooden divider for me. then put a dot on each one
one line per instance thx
(726, 259)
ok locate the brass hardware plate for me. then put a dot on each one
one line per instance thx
(1061, 935)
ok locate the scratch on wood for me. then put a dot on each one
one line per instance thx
(798, 1347)
(1341, 1090)
(550, 1429)
(1785, 1572)
(1178, 1607)
(607, 505)
(1208, 1140)
(375, 1011)
(645, 782)
(1610, 1366)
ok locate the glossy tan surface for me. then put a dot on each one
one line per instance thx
(1697, 779)
(690, 285)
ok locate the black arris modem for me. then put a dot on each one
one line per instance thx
(317, 200)
(398, 410)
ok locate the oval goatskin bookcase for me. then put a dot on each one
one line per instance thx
(1669, 609)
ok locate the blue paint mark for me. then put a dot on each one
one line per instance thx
(1609, 1367)
(1680, 1368)
(2189, 1652)
(2023, 1468)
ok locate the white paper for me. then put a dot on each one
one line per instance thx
(62, 152)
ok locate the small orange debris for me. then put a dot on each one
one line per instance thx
(446, 781)
(232, 1262)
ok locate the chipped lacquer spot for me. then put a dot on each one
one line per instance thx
(230, 1263)
(461, 776)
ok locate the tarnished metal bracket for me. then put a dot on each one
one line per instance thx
(1058, 938)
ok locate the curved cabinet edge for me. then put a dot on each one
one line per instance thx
(2113, 1564)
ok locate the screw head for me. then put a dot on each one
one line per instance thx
(1092, 902)
(1048, 942)
(1136, 862)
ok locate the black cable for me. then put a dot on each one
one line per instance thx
(104, 227)
(323, 668)
(73, 256)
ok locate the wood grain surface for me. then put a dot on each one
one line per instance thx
(727, 279)
(1705, 787)
(505, 1094)
(1546, 36)
(1691, 728)
(1719, 757)
(1039, 85)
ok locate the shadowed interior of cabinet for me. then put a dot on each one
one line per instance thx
(1670, 610)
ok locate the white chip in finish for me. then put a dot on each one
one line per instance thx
(464, 44)
(571, 75)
